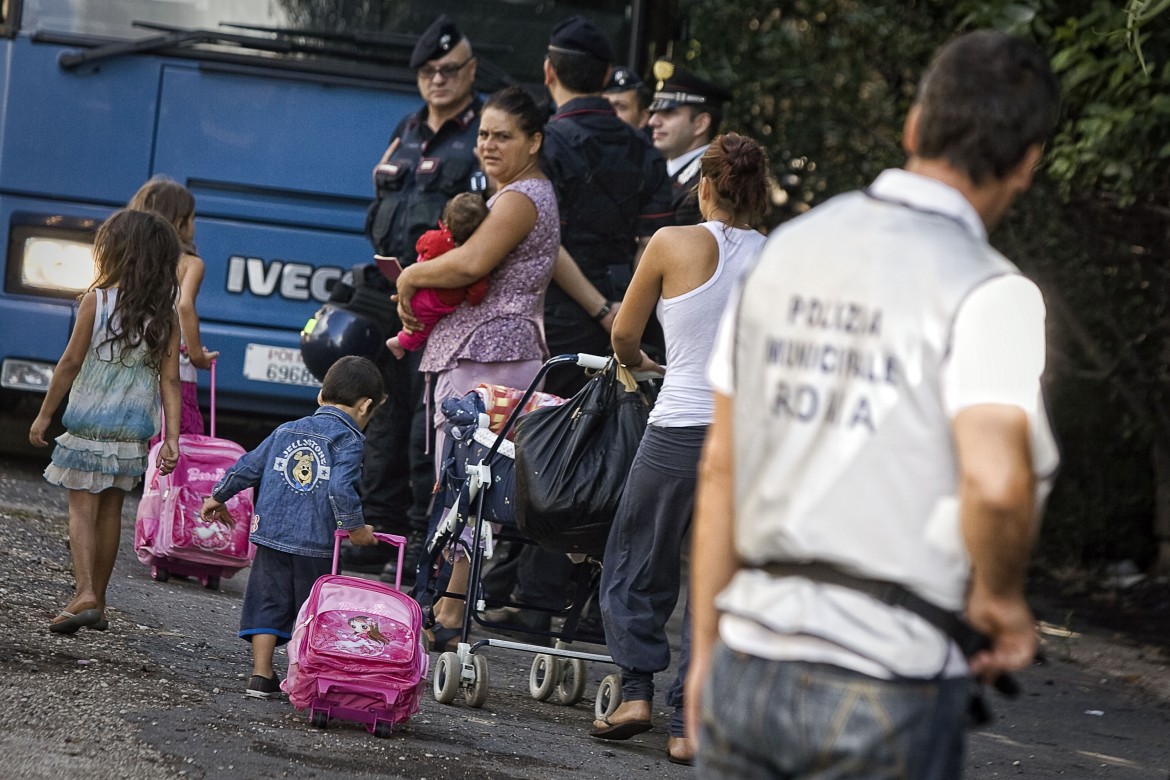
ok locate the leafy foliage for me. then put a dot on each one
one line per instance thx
(825, 84)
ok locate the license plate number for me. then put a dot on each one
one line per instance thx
(279, 365)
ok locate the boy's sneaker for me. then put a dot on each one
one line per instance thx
(264, 687)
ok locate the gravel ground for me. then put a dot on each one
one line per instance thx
(159, 694)
(67, 702)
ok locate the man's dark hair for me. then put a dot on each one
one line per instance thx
(351, 379)
(984, 101)
(644, 95)
(579, 72)
(715, 111)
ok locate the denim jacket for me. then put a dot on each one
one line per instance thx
(307, 471)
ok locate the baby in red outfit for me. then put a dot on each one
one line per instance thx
(462, 215)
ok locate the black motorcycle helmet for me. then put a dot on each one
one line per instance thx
(335, 332)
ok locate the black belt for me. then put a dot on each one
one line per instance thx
(893, 594)
(950, 623)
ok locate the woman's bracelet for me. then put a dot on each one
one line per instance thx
(605, 309)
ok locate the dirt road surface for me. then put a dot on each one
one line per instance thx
(160, 695)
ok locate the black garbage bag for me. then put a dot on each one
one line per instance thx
(572, 461)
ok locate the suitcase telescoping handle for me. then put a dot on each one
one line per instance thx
(213, 399)
(394, 539)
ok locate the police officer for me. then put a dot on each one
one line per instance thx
(842, 542)
(629, 96)
(684, 117)
(612, 193)
(430, 158)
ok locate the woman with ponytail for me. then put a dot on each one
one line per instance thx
(686, 275)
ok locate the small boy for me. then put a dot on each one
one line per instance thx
(307, 474)
(461, 216)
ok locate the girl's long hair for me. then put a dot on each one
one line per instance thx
(169, 199)
(138, 252)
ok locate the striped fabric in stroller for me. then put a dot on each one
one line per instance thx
(473, 423)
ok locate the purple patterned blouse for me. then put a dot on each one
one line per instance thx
(509, 323)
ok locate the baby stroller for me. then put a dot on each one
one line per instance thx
(356, 651)
(478, 509)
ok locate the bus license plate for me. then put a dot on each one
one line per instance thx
(280, 365)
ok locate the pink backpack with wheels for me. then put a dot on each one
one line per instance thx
(169, 535)
(356, 651)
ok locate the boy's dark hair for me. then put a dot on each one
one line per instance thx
(463, 214)
(985, 100)
(351, 379)
(579, 72)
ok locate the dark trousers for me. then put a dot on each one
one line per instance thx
(397, 474)
(642, 573)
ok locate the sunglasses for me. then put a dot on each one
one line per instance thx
(428, 72)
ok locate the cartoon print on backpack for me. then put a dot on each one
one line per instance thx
(210, 534)
(366, 638)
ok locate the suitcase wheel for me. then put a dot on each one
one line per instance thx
(211, 582)
(382, 729)
(159, 573)
(319, 718)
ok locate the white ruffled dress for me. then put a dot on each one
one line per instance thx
(112, 413)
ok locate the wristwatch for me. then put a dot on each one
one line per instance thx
(605, 309)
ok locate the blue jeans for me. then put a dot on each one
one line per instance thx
(790, 719)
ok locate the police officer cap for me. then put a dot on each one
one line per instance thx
(578, 35)
(439, 39)
(679, 87)
(623, 80)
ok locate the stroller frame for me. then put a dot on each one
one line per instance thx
(556, 669)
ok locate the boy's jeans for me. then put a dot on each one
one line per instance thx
(789, 719)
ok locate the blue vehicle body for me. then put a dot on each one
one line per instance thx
(275, 135)
(280, 170)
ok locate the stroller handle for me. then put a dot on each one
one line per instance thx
(593, 362)
(394, 539)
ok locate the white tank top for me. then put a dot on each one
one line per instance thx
(689, 322)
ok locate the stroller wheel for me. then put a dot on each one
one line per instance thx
(542, 678)
(609, 696)
(571, 681)
(446, 681)
(476, 694)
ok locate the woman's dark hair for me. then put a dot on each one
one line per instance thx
(138, 252)
(167, 198)
(351, 379)
(986, 99)
(738, 168)
(517, 102)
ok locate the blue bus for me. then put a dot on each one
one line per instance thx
(272, 112)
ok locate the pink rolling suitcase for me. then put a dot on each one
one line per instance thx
(356, 651)
(170, 536)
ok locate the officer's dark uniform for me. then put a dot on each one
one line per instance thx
(679, 87)
(611, 188)
(425, 171)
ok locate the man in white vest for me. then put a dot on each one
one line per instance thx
(879, 453)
